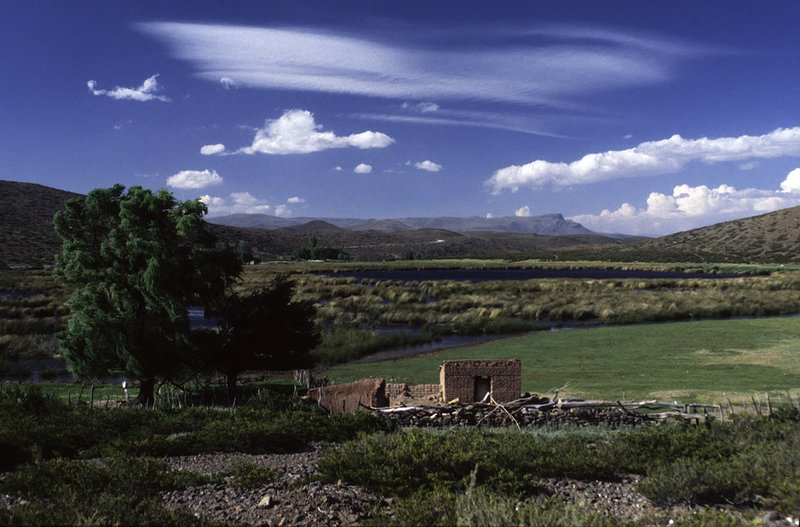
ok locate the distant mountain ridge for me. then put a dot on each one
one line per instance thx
(27, 238)
(547, 225)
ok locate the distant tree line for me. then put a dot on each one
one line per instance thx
(319, 253)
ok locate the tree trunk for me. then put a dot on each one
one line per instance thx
(146, 389)
(232, 377)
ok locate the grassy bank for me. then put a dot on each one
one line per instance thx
(700, 360)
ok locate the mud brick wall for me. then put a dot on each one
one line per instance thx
(419, 391)
(396, 392)
(346, 397)
(393, 391)
(459, 378)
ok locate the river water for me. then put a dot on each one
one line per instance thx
(487, 275)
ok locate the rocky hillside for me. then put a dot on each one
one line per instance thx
(772, 237)
(26, 223)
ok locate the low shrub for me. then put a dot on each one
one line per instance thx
(33, 426)
(246, 475)
(406, 462)
(116, 492)
(752, 461)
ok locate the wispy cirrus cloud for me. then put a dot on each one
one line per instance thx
(145, 92)
(647, 159)
(546, 65)
(443, 116)
(423, 107)
(228, 83)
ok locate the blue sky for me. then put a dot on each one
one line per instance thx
(635, 117)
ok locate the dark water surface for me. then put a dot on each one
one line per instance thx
(487, 275)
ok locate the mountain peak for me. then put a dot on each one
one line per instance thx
(547, 224)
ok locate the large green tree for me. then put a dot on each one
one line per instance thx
(264, 330)
(137, 260)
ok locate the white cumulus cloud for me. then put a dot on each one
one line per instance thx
(363, 168)
(145, 92)
(283, 211)
(210, 150)
(792, 181)
(690, 207)
(523, 212)
(429, 166)
(235, 203)
(295, 132)
(193, 179)
(295, 199)
(647, 159)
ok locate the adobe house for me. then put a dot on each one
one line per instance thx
(351, 397)
(466, 380)
(470, 380)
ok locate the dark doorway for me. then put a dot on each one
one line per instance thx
(483, 385)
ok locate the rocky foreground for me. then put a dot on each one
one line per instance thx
(285, 501)
(293, 499)
(289, 500)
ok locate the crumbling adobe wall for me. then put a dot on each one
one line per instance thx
(346, 397)
(458, 379)
(418, 391)
(403, 393)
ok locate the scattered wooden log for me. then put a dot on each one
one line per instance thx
(535, 410)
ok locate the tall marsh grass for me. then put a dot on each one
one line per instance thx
(455, 307)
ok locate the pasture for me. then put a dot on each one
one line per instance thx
(710, 360)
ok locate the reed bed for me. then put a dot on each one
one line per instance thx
(32, 304)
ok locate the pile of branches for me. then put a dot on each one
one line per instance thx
(536, 411)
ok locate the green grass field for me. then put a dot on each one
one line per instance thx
(705, 361)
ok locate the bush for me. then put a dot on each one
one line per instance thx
(412, 460)
(246, 475)
(117, 492)
(27, 398)
(56, 431)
